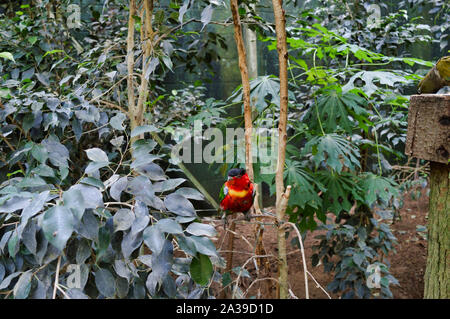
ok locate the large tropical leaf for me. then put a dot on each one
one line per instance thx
(340, 188)
(336, 108)
(336, 151)
(377, 188)
(369, 77)
(303, 185)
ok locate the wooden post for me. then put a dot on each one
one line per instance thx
(428, 138)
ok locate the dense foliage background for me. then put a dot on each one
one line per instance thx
(81, 192)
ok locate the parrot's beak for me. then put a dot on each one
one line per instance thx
(229, 178)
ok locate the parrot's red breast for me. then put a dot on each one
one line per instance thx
(237, 193)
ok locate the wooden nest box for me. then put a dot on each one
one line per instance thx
(428, 135)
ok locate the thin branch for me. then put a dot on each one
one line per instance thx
(242, 236)
(258, 280)
(113, 106)
(318, 285)
(86, 132)
(305, 269)
(109, 90)
(243, 267)
(119, 203)
(63, 292)
(56, 277)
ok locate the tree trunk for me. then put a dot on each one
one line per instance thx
(437, 283)
(281, 198)
(130, 64)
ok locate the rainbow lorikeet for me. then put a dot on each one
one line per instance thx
(237, 194)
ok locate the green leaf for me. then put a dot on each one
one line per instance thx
(2, 272)
(303, 184)
(118, 187)
(130, 243)
(7, 55)
(92, 196)
(97, 155)
(187, 244)
(13, 244)
(204, 245)
(52, 52)
(123, 219)
(261, 87)
(152, 171)
(104, 239)
(117, 121)
(29, 236)
(75, 293)
(35, 181)
(58, 225)
(32, 39)
(190, 193)
(44, 170)
(168, 185)
(206, 15)
(179, 205)
(201, 269)
(369, 77)
(169, 225)
(183, 10)
(339, 187)
(144, 159)
(199, 229)
(74, 200)
(358, 258)
(105, 282)
(154, 239)
(143, 129)
(23, 285)
(39, 152)
(336, 109)
(7, 281)
(168, 62)
(377, 187)
(35, 206)
(93, 182)
(335, 150)
(83, 251)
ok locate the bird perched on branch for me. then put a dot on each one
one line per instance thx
(437, 78)
(237, 194)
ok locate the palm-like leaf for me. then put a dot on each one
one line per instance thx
(334, 150)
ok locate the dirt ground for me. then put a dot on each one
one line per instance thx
(407, 265)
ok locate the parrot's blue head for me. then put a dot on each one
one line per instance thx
(236, 173)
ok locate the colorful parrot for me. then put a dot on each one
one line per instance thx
(237, 194)
(437, 78)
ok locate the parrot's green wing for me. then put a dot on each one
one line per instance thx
(254, 193)
(223, 192)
